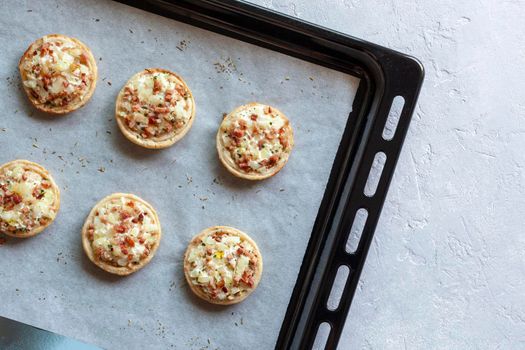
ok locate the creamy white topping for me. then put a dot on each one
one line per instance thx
(155, 104)
(57, 72)
(122, 231)
(223, 265)
(256, 138)
(27, 200)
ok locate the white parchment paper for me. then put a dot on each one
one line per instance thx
(48, 282)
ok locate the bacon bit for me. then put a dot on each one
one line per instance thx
(247, 279)
(124, 251)
(180, 89)
(98, 252)
(156, 86)
(130, 204)
(243, 124)
(162, 109)
(261, 143)
(90, 232)
(273, 159)
(83, 59)
(267, 110)
(135, 107)
(168, 97)
(284, 141)
(253, 117)
(238, 133)
(46, 80)
(16, 198)
(244, 166)
(37, 193)
(130, 241)
(169, 127)
(141, 240)
(65, 83)
(120, 228)
(46, 184)
(240, 250)
(179, 124)
(149, 131)
(124, 215)
(130, 257)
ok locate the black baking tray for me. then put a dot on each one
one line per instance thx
(384, 74)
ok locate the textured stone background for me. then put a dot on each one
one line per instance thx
(447, 266)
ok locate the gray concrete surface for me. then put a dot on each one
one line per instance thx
(447, 266)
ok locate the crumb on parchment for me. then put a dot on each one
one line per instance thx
(225, 65)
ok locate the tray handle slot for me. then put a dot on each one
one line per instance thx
(393, 117)
(338, 286)
(376, 170)
(356, 231)
(321, 338)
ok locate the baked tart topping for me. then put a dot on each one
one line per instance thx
(28, 199)
(257, 138)
(57, 71)
(222, 264)
(122, 232)
(155, 104)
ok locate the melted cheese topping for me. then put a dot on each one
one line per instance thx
(27, 200)
(155, 104)
(223, 265)
(57, 71)
(122, 232)
(256, 138)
